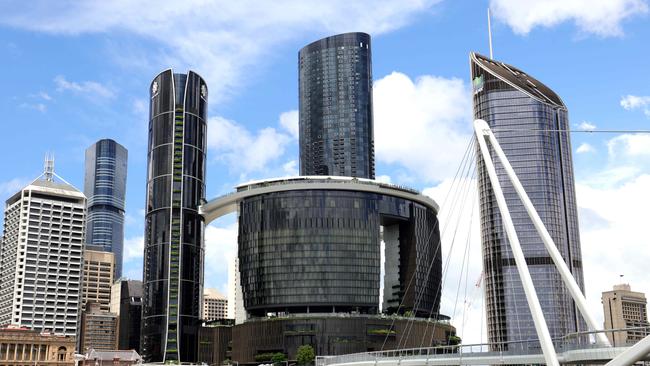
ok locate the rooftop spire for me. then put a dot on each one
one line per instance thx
(490, 33)
(48, 167)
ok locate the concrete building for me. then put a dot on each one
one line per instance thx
(215, 305)
(525, 116)
(98, 272)
(126, 302)
(235, 296)
(98, 329)
(215, 339)
(105, 188)
(624, 308)
(22, 347)
(41, 255)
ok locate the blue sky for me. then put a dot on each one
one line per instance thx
(76, 72)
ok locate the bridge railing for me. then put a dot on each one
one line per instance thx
(570, 342)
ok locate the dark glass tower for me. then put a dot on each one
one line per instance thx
(520, 111)
(173, 253)
(105, 189)
(336, 126)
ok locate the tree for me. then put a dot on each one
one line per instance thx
(305, 355)
(278, 358)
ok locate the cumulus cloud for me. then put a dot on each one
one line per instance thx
(12, 186)
(629, 145)
(220, 251)
(222, 39)
(620, 220)
(91, 89)
(422, 124)
(242, 150)
(631, 102)
(600, 17)
(133, 248)
(289, 121)
(41, 107)
(585, 148)
(586, 126)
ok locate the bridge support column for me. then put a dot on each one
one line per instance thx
(633, 354)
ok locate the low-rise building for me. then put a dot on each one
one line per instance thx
(625, 309)
(98, 329)
(21, 347)
(110, 358)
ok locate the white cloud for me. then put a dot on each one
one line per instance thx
(599, 17)
(220, 39)
(629, 145)
(91, 89)
(585, 148)
(35, 106)
(619, 227)
(383, 178)
(45, 96)
(289, 120)
(133, 248)
(290, 168)
(242, 150)
(220, 251)
(422, 125)
(586, 126)
(12, 186)
(631, 102)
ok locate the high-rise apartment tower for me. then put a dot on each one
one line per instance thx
(40, 265)
(525, 116)
(624, 308)
(173, 252)
(336, 125)
(105, 188)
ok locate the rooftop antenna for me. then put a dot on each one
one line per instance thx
(489, 32)
(48, 167)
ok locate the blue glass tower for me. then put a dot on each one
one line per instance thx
(105, 189)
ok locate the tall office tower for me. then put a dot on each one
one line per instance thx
(98, 277)
(215, 305)
(98, 329)
(525, 116)
(105, 188)
(126, 302)
(235, 296)
(624, 308)
(336, 126)
(41, 255)
(173, 253)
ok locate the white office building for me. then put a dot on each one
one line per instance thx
(41, 256)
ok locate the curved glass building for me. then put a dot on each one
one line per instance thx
(525, 116)
(105, 188)
(312, 245)
(336, 126)
(173, 253)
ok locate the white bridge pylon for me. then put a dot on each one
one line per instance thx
(484, 135)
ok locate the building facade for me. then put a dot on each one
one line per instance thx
(215, 305)
(215, 341)
(105, 188)
(98, 272)
(235, 296)
(41, 256)
(24, 347)
(98, 329)
(173, 253)
(127, 304)
(111, 358)
(335, 113)
(525, 116)
(624, 308)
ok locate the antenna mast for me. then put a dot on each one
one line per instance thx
(49, 167)
(489, 33)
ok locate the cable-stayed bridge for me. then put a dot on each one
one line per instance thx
(592, 347)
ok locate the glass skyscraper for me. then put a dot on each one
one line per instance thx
(105, 188)
(525, 116)
(336, 126)
(173, 252)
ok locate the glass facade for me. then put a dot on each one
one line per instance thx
(336, 125)
(318, 251)
(105, 188)
(520, 110)
(173, 253)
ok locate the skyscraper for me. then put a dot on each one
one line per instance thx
(105, 188)
(336, 125)
(173, 253)
(525, 116)
(40, 265)
(99, 267)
